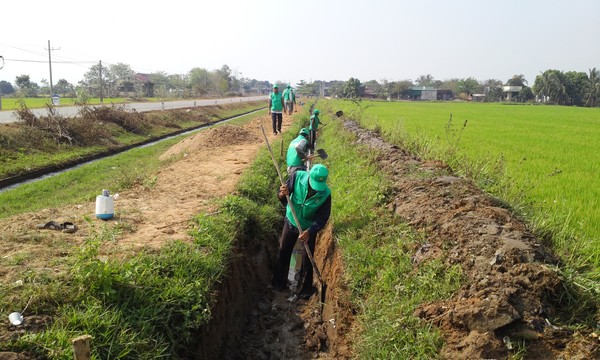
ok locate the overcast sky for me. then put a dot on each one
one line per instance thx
(311, 39)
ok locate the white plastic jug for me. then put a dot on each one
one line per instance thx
(105, 207)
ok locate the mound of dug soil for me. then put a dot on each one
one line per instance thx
(511, 289)
(211, 138)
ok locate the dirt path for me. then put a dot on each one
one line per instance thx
(210, 164)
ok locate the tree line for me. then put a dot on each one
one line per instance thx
(119, 80)
(551, 87)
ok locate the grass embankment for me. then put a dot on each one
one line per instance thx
(376, 249)
(26, 147)
(118, 173)
(144, 305)
(542, 160)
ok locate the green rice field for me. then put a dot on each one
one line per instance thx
(542, 160)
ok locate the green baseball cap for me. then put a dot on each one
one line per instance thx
(318, 177)
(304, 131)
(317, 112)
(275, 86)
(289, 86)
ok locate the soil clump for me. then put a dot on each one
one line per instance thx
(511, 288)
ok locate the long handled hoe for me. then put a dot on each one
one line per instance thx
(322, 285)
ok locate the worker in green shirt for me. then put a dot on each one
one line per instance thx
(289, 98)
(312, 128)
(311, 198)
(276, 109)
(297, 153)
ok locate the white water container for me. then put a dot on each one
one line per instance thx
(105, 207)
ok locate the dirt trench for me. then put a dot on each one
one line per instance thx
(252, 321)
(512, 288)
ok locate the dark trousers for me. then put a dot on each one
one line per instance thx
(312, 139)
(289, 236)
(277, 120)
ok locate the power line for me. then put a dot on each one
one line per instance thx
(54, 61)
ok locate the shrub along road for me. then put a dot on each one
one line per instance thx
(70, 111)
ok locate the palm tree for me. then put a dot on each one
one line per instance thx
(591, 91)
(543, 85)
(517, 80)
(425, 80)
(561, 94)
(551, 86)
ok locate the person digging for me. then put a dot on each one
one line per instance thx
(313, 127)
(311, 198)
(297, 153)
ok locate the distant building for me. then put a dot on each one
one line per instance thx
(478, 97)
(509, 92)
(369, 93)
(422, 93)
(444, 95)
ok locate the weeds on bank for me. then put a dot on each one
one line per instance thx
(84, 183)
(377, 250)
(150, 304)
(38, 141)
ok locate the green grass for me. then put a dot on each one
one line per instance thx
(543, 160)
(377, 250)
(81, 184)
(145, 305)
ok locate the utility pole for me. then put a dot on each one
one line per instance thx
(1, 66)
(50, 65)
(101, 95)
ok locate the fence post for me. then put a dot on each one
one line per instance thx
(81, 347)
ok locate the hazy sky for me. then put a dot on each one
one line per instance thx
(310, 40)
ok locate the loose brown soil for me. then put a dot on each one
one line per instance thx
(512, 288)
(510, 292)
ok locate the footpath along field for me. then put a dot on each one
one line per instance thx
(543, 160)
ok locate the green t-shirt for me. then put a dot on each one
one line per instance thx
(293, 158)
(306, 209)
(314, 123)
(288, 95)
(276, 102)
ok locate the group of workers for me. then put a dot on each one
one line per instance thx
(309, 196)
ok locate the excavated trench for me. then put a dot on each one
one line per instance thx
(252, 321)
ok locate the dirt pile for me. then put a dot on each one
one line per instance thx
(211, 138)
(511, 288)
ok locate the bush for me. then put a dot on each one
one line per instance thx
(131, 121)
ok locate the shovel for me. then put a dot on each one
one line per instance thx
(322, 285)
(322, 154)
(338, 114)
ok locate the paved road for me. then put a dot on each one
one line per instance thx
(69, 111)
